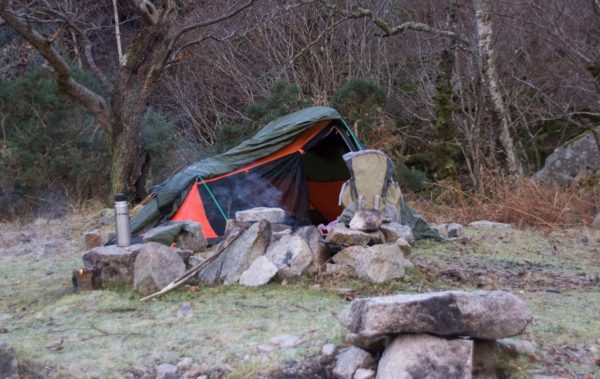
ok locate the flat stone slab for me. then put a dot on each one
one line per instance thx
(341, 235)
(271, 215)
(260, 272)
(485, 224)
(425, 356)
(478, 314)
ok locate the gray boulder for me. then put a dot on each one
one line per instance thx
(290, 254)
(8, 362)
(279, 230)
(156, 266)
(514, 346)
(566, 163)
(425, 356)
(115, 264)
(240, 251)
(339, 270)
(317, 246)
(393, 230)
(378, 263)
(260, 272)
(479, 314)
(351, 359)
(341, 235)
(272, 215)
(364, 373)
(366, 220)
(485, 224)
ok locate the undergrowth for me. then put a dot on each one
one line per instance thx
(520, 202)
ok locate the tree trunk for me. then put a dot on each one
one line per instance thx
(143, 64)
(491, 82)
(446, 153)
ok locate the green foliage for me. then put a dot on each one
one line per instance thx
(47, 142)
(360, 100)
(285, 98)
(158, 137)
(410, 179)
(230, 135)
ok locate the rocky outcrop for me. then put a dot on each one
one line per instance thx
(565, 164)
(156, 266)
(425, 356)
(479, 314)
(240, 252)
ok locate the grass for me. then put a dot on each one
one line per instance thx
(110, 333)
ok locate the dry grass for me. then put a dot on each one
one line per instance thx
(520, 202)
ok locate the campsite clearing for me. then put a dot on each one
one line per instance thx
(238, 331)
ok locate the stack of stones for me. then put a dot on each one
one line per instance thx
(370, 247)
(452, 334)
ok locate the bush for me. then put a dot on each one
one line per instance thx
(360, 101)
(285, 98)
(48, 145)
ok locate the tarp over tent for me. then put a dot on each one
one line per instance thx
(294, 162)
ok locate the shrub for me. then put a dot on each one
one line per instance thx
(285, 98)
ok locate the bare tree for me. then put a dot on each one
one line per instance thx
(163, 33)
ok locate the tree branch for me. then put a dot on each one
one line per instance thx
(88, 98)
(229, 14)
(177, 54)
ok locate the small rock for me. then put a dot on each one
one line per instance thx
(185, 310)
(285, 340)
(349, 360)
(8, 362)
(366, 220)
(92, 239)
(518, 347)
(166, 371)
(341, 235)
(339, 270)
(596, 222)
(423, 355)
(328, 350)
(484, 224)
(455, 230)
(185, 364)
(316, 243)
(271, 215)
(364, 373)
(260, 272)
(371, 344)
(290, 254)
(393, 230)
(55, 345)
(156, 266)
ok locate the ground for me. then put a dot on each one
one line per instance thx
(230, 329)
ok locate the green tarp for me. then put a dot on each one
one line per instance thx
(268, 140)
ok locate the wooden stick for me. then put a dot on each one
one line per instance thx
(184, 277)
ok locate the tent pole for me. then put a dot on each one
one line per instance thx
(352, 134)
(212, 196)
